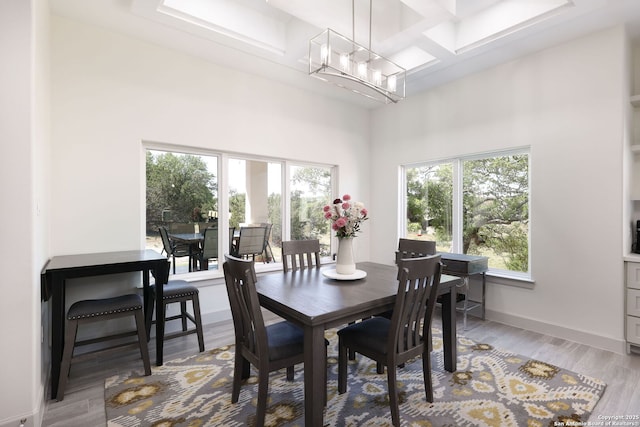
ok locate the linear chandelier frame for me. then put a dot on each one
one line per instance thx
(337, 59)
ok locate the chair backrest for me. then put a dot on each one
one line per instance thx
(414, 306)
(267, 234)
(250, 241)
(297, 251)
(210, 243)
(248, 323)
(181, 227)
(409, 248)
(165, 241)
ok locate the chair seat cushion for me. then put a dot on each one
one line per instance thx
(101, 307)
(370, 333)
(176, 289)
(285, 340)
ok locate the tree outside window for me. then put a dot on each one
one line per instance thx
(494, 204)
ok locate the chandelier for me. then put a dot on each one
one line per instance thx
(339, 60)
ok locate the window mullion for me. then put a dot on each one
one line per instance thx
(457, 214)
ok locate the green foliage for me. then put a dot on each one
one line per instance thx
(180, 186)
(495, 206)
(237, 203)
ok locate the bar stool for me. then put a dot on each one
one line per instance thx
(88, 311)
(173, 292)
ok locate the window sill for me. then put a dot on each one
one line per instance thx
(510, 279)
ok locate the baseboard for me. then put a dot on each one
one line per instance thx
(582, 337)
(216, 316)
(33, 420)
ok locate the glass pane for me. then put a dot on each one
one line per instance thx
(310, 191)
(255, 198)
(429, 204)
(496, 210)
(182, 197)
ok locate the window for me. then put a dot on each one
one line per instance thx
(182, 196)
(255, 198)
(310, 190)
(475, 205)
(185, 194)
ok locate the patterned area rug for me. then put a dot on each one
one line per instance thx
(491, 388)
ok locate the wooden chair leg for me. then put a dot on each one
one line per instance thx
(238, 375)
(393, 395)
(148, 313)
(263, 393)
(142, 341)
(342, 367)
(290, 373)
(426, 368)
(183, 315)
(195, 302)
(69, 343)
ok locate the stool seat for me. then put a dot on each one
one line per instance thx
(95, 310)
(103, 307)
(178, 291)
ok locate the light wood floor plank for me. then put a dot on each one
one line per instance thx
(83, 404)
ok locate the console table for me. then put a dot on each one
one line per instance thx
(463, 265)
(61, 268)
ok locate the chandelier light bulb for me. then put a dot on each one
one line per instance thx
(391, 83)
(362, 69)
(377, 77)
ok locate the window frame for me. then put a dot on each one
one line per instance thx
(223, 158)
(457, 203)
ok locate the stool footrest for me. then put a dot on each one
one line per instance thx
(106, 338)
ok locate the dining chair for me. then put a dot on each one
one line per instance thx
(172, 250)
(268, 348)
(295, 252)
(391, 342)
(267, 252)
(99, 310)
(250, 242)
(209, 247)
(177, 291)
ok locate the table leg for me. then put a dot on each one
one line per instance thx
(161, 274)
(57, 330)
(314, 364)
(449, 330)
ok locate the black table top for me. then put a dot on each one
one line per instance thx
(62, 262)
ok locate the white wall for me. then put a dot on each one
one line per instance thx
(24, 137)
(566, 103)
(111, 92)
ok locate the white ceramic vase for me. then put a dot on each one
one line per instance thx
(345, 262)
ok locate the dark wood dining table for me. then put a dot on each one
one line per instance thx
(316, 303)
(59, 269)
(194, 241)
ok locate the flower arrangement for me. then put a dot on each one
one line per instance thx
(346, 216)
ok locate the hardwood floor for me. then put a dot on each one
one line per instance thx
(83, 404)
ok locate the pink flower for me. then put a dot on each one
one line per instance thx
(346, 205)
(346, 197)
(341, 222)
(327, 215)
(335, 226)
(364, 211)
(326, 208)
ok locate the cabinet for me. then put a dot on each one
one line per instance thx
(632, 312)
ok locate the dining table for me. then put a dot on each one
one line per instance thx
(60, 269)
(193, 241)
(316, 302)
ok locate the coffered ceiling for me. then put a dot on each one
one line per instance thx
(435, 40)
